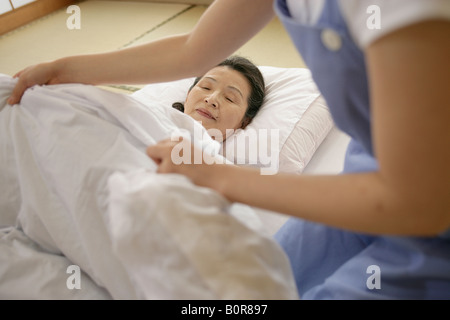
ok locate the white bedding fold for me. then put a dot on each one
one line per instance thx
(76, 180)
(217, 251)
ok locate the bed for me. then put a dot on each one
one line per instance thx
(84, 215)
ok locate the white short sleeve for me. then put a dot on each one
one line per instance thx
(369, 20)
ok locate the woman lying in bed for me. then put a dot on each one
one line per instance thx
(74, 173)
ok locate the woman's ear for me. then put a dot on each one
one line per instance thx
(246, 122)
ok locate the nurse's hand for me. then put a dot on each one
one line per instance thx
(40, 74)
(182, 157)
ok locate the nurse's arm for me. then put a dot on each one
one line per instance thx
(410, 90)
(410, 104)
(224, 27)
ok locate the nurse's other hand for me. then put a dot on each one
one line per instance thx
(183, 157)
(40, 74)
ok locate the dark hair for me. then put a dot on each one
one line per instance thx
(255, 78)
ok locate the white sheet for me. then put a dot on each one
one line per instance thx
(76, 184)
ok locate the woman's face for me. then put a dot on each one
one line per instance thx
(219, 100)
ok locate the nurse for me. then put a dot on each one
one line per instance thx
(380, 229)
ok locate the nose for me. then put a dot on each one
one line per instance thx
(212, 100)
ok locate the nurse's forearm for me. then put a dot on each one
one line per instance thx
(212, 40)
(357, 202)
(163, 60)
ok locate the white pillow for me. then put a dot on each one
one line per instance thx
(290, 125)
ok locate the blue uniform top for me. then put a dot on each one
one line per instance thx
(339, 70)
(331, 263)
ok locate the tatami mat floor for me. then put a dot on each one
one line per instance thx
(112, 25)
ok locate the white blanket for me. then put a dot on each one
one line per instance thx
(77, 190)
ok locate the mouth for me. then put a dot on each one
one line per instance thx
(205, 113)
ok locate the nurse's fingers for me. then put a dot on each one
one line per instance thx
(161, 154)
(17, 93)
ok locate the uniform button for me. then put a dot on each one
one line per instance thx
(331, 39)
